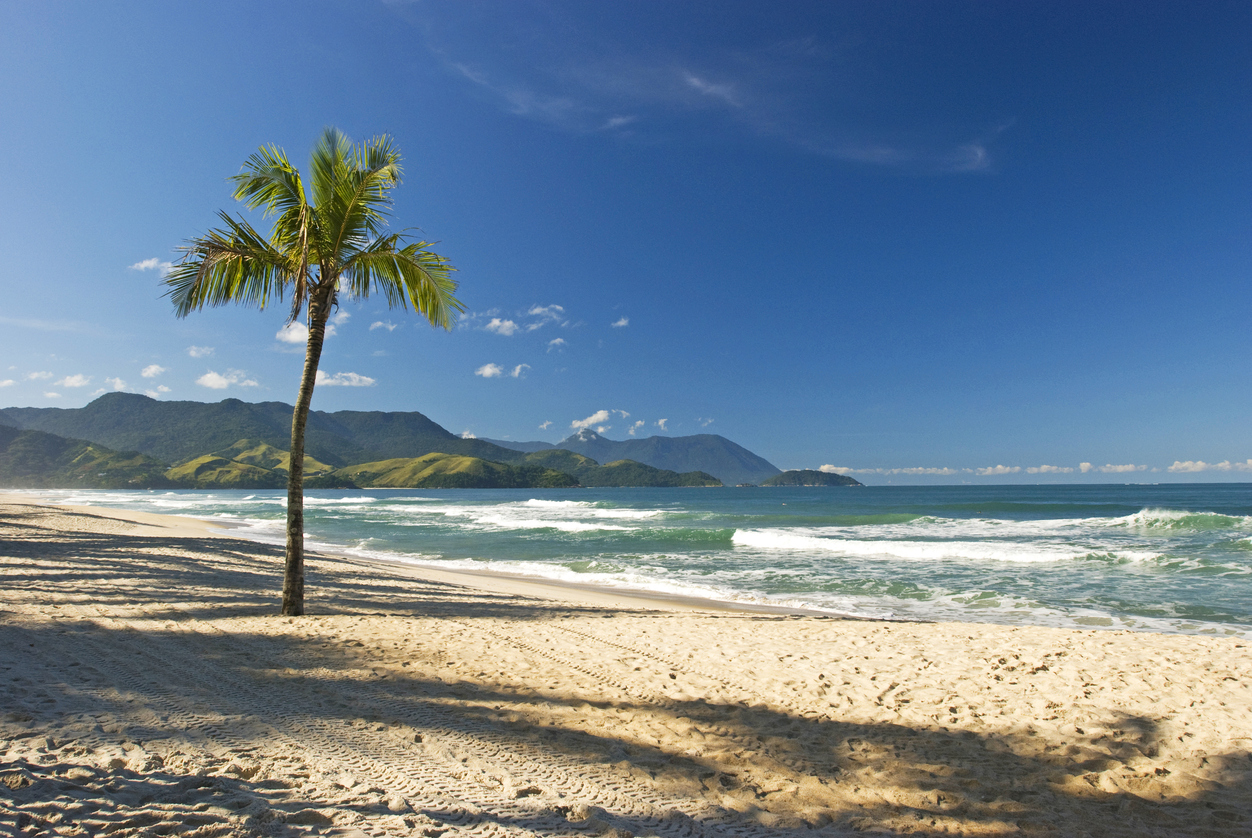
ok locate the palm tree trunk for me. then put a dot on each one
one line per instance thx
(293, 578)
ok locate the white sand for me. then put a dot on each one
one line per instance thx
(147, 688)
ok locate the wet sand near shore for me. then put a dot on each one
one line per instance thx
(147, 687)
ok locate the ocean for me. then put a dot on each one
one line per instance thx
(1170, 558)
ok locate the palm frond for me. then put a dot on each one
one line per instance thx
(236, 265)
(404, 275)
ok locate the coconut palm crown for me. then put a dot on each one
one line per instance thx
(330, 243)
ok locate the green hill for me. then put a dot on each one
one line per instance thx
(450, 471)
(38, 460)
(256, 453)
(809, 477)
(617, 474)
(213, 472)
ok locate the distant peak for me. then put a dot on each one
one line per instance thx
(584, 435)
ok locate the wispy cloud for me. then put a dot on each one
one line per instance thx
(703, 423)
(545, 315)
(383, 324)
(53, 325)
(1049, 470)
(621, 323)
(490, 371)
(722, 92)
(8, 382)
(160, 390)
(519, 370)
(591, 82)
(545, 425)
(639, 423)
(660, 423)
(556, 343)
(41, 375)
(152, 370)
(344, 379)
(468, 434)
(73, 381)
(116, 383)
(199, 351)
(52, 395)
(220, 381)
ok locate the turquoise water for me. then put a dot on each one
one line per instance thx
(1160, 558)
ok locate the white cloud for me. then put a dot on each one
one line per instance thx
(988, 471)
(638, 424)
(1085, 467)
(153, 264)
(620, 413)
(295, 332)
(913, 470)
(340, 317)
(556, 343)
(217, 381)
(621, 322)
(344, 379)
(704, 423)
(660, 423)
(594, 419)
(490, 371)
(501, 327)
(38, 376)
(519, 370)
(8, 382)
(1112, 469)
(1049, 470)
(52, 395)
(545, 315)
(383, 324)
(1194, 466)
(468, 434)
(73, 381)
(115, 383)
(199, 351)
(547, 424)
(152, 370)
(161, 388)
(298, 333)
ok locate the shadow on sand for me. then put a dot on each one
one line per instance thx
(745, 768)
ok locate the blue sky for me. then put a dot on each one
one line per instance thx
(927, 241)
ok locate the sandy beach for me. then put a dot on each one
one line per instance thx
(149, 688)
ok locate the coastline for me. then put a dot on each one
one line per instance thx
(143, 652)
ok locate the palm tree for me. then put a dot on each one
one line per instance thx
(334, 244)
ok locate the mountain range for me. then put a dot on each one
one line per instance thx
(731, 463)
(178, 431)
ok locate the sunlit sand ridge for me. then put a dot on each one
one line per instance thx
(148, 688)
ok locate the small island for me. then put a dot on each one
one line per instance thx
(810, 477)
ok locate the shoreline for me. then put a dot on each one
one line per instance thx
(488, 580)
(150, 685)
